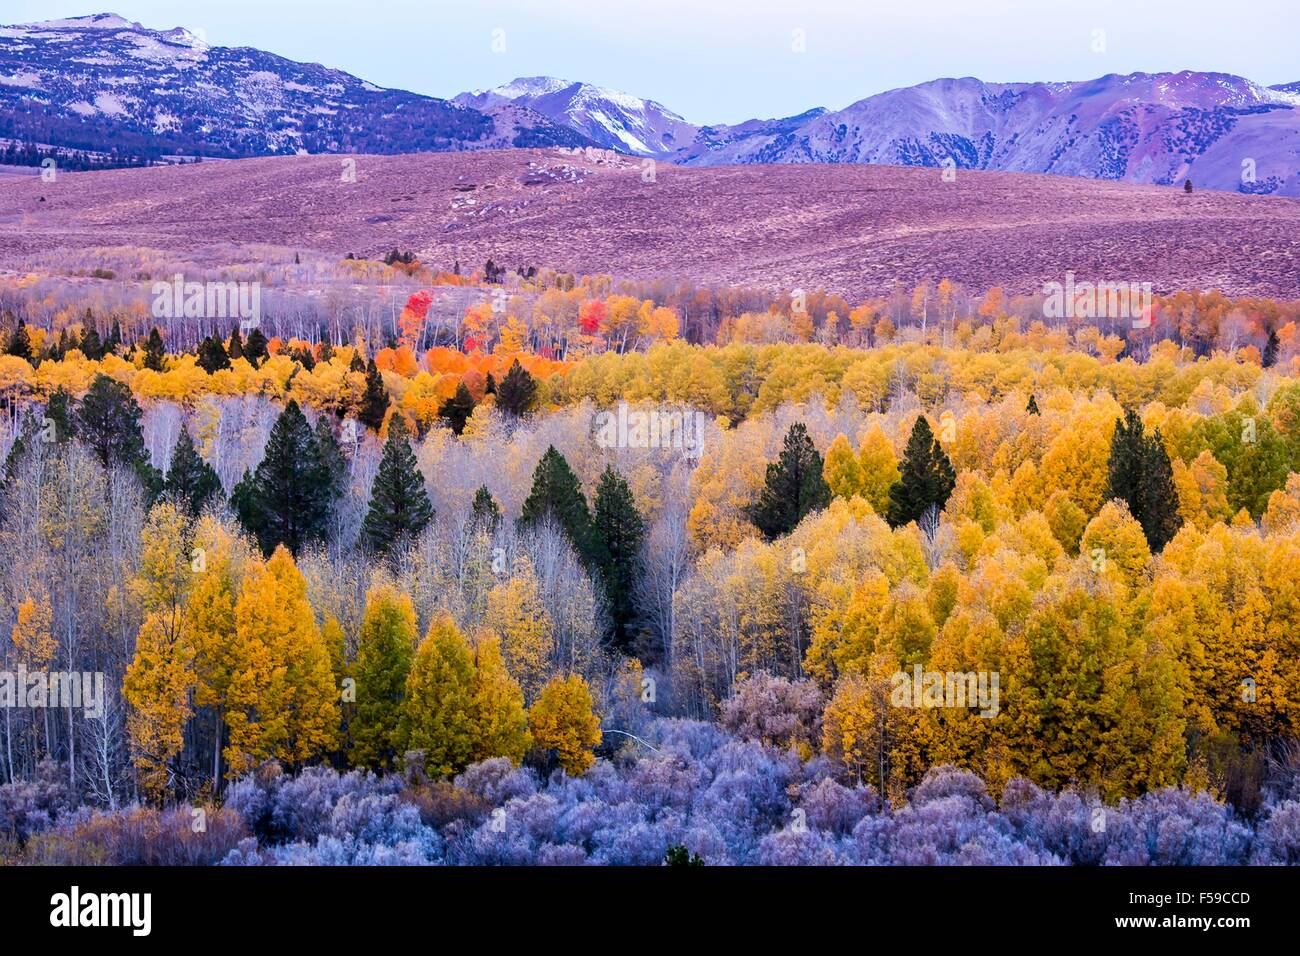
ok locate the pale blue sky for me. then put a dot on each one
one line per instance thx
(729, 60)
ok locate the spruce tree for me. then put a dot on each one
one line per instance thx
(287, 499)
(1032, 407)
(486, 513)
(108, 421)
(374, 400)
(1159, 501)
(794, 486)
(456, 411)
(620, 532)
(20, 342)
(332, 457)
(926, 479)
(557, 496)
(399, 503)
(191, 483)
(1270, 349)
(517, 393)
(155, 354)
(59, 411)
(62, 347)
(326, 351)
(114, 339)
(1141, 475)
(91, 346)
(255, 347)
(358, 364)
(1124, 469)
(235, 350)
(212, 355)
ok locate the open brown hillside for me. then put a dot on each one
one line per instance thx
(854, 230)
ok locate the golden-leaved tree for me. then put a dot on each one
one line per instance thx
(564, 720)
(283, 703)
(517, 615)
(498, 706)
(159, 680)
(438, 716)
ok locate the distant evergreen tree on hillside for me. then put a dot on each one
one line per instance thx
(155, 353)
(212, 355)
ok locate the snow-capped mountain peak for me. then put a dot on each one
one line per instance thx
(610, 118)
(95, 21)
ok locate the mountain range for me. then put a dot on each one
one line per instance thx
(103, 83)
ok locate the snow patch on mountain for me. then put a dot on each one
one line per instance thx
(611, 118)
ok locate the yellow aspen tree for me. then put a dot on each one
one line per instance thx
(159, 680)
(868, 732)
(384, 650)
(879, 468)
(844, 637)
(563, 720)
(157, 688)
(498, 706)
(438, 714)
(1113, 543)
(34, 642)
(332, 636)
(31, 633)
(1283, 511)
(516, 614)
(283, 700)
(216, 563)
(841, 470)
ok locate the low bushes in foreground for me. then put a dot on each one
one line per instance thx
(698, 793)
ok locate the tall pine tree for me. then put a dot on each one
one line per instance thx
(155, 353)
(91, 346)
(485, 511)
(212, 355)
(108, 420)
(332, 457)
(191, 483)
(20, 342)
(926, 479)
(59, 411)
(374, 400)
(457, 410)
(255, 347)
(399, 503)
(557, 496)
(794, 486)
(1141, 475)
(517, 393)
(287, 500)
(1270, 349)
(620, 530)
